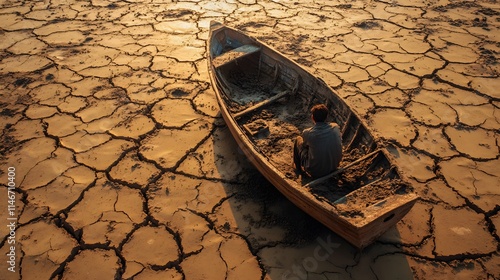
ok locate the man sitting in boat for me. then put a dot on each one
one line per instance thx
(318, 150)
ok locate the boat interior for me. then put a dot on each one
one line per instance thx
(270, 98)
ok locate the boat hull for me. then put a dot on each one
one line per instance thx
(228, 47)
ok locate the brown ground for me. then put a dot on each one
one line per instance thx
(125, 170)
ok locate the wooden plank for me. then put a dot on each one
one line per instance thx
(354, 137)
(347, 123)
(344, 198)
(270, 100)
(342, 169)
(261, 104)
(234, 54)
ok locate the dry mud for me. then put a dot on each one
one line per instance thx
(124, 169)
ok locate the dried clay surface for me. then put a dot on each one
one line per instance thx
(124, 168)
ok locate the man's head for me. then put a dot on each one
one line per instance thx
(319, 113)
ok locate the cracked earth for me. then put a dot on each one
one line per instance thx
(125, 170)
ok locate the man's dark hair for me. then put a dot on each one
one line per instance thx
(319, 112)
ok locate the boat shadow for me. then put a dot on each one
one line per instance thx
(288, 242)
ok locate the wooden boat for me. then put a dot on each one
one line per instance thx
(265, 99)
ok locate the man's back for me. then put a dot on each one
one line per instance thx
(323, 151)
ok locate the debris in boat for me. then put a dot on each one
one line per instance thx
(257, 128)
(365, 197)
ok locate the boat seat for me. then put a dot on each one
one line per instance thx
(234, 54)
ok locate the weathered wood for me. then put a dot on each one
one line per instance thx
(344, 199)
(340, 170)
(261, 104)
(271, 100)
(234, 54)
(347, 123)
(354, 136)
